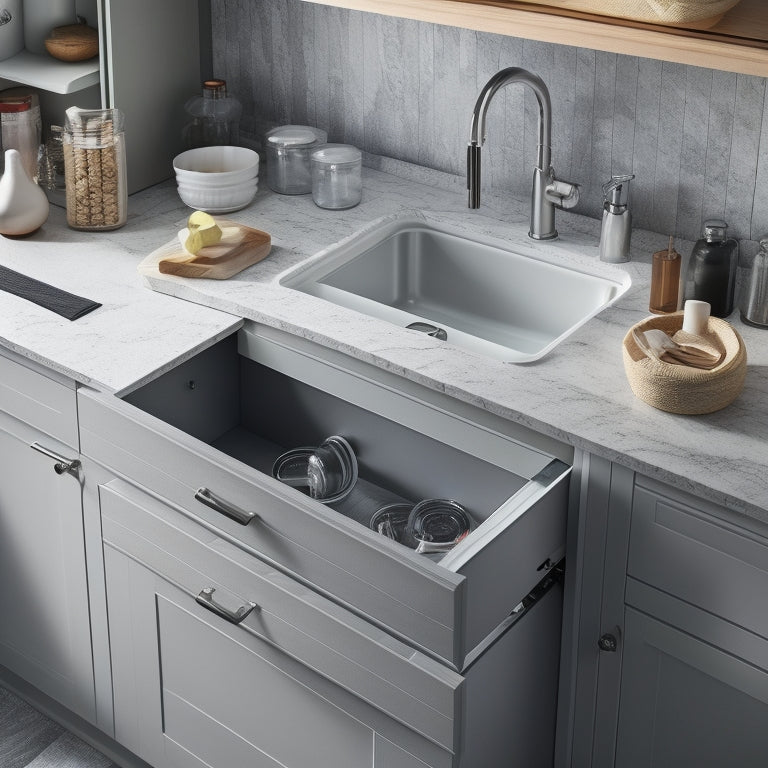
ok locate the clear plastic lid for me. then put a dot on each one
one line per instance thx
(296, 136)
(94, 127)
(337, 154)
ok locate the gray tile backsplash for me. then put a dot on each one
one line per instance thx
(697, 139)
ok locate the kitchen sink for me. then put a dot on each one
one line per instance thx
(512, 303)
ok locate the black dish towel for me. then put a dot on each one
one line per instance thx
(62, 303)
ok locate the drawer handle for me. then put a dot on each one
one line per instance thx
(204, 496)
(205, 598)
(62, 464)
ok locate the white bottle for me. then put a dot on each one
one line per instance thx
(23, 205)
(41, 16)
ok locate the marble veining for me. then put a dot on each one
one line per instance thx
(577, 394)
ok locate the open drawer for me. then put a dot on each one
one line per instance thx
(204, 437)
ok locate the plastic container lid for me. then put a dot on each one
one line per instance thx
(296, 136)
(337, 154)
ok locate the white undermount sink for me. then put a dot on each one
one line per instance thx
(514, 305)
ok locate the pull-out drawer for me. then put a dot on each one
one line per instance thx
(37, 399)
(245, 648)
(213, 427)
(700, 554)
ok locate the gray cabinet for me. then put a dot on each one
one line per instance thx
(448, 662)
(672, 635)
(149, 65)
(690, 699)
(44, 631)
(220, 660)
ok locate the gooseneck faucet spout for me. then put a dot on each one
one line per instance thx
(546, 192)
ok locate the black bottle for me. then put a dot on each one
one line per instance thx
(711, 274)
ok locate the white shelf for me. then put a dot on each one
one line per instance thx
(49, 74)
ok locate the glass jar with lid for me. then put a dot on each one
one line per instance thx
(288, 158)
(336, 176)
(94, 168)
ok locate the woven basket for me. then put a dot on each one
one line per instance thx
(693, 13)
(678, 388)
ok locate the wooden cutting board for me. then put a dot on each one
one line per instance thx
(240, 247)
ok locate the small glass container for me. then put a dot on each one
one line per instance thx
(94, 168)
(21, 127)
(665, 280)
(336, 176)
(437, 525)
(288, 158)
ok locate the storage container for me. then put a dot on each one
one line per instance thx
(94, 167)
(288, 158)
(337, 176)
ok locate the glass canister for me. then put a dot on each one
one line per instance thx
(21, 127)
(337, 176)
(215, 117)
(288, 158)
(94, 168)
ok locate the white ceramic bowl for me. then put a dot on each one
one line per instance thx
(218, 166)
(218, 199)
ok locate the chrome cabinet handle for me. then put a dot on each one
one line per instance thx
(62, 464)
(205, 598)
(204, 496)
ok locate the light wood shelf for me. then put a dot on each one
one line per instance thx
(738, 43)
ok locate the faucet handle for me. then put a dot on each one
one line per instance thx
(563, 194)
(616, 189)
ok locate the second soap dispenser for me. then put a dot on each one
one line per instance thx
(617, 220)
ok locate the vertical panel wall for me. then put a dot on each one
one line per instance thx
(696, 138)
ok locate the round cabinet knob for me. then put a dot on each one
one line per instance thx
(608, 643)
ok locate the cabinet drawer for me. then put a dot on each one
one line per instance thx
(701, 558)
(221, 419)
(38, 400)
(409, 687)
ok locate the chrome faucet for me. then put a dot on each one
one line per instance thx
(547, 192)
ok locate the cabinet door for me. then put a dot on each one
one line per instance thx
(685, 702)
(188, 692)
(44, 629)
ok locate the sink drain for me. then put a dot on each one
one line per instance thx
(429, 329)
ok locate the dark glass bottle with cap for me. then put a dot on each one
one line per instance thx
(711, 274)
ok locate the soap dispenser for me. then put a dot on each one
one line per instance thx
(617, 220)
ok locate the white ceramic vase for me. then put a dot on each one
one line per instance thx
(23, 205)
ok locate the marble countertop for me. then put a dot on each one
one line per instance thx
(578, 393)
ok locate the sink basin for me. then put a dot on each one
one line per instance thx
(512, 304)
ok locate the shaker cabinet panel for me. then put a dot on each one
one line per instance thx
(38, 400)
(44, 629)
(686, 702)
(335, 656)
(707, 561)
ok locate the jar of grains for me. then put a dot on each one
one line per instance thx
(94, 169)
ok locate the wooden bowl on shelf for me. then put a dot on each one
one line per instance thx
(73, 42)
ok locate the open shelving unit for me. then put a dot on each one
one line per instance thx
(48, 74)
(737, 43)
